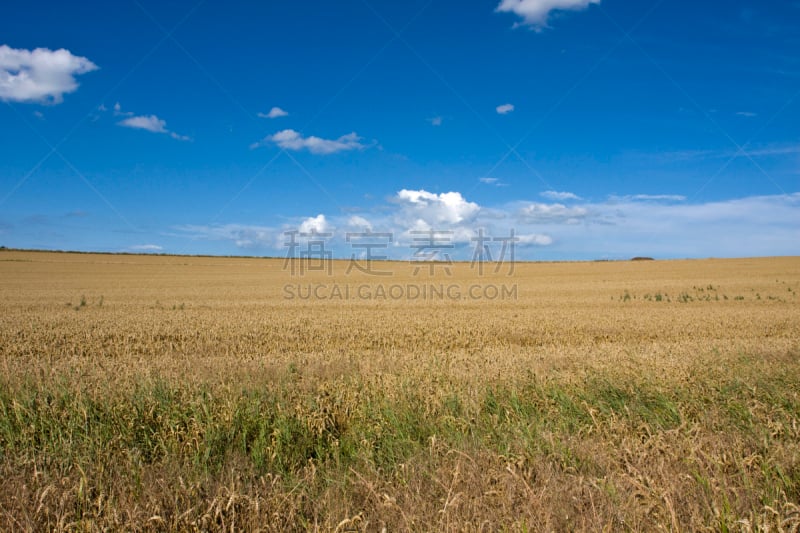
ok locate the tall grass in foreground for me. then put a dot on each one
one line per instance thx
(718, 450)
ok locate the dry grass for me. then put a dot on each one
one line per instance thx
(175, 393)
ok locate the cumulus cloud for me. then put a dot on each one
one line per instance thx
(318, 224)
(616, 228)
(148, 123)
(557, 195)
(435, 209)
(504, 109)
(535, 13)
(358, 222)
(275, 112)
(294, 140)
(40, 75)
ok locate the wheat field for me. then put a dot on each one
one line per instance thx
(152, 393)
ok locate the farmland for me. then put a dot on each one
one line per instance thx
(195, 393)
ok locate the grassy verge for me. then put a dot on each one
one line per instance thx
(718, 450)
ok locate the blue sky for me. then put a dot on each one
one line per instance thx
(591, 128)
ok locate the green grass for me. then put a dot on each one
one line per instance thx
(279, 429)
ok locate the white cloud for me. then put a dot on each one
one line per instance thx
(252, 236)
(492, 181)
(536, 12)
(149, 123)
(146, 122)
(771, 150)
(538, 213)
(557, 195)
(40, 75)
(118, 112)
(242, 235)
(435, 121)
(747, 114)
(764, 150)
(146, 248)
(317, 224)
(738, 227)
(358, 222)
(435, 209)
(535, 239)
(616, 228)
(275, 112)
(505, 109)
(656, 197)
(293, 140)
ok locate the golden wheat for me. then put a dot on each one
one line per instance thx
(196, 393)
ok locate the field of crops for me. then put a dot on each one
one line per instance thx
(200, 393)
